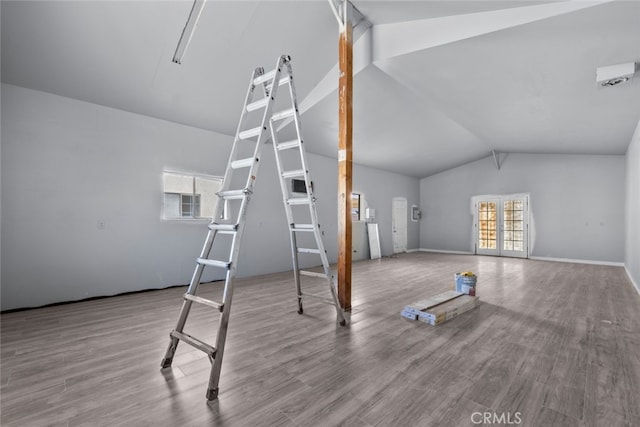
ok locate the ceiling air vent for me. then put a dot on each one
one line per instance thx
(614, 75)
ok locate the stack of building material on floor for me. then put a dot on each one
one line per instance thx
(440, 308)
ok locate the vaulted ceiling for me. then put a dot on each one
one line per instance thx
(437, 84)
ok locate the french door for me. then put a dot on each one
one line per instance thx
(501, 226)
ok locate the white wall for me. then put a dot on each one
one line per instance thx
(632, 211)
(577, 203)
(68, 165)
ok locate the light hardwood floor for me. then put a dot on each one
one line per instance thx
(557, 343)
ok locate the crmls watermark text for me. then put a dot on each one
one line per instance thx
(495, 418)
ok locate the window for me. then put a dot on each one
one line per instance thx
(355, 207)
(189, 196)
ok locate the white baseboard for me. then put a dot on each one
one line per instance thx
(410, 251)
(578, 261)
(635, 285)
(439, 251)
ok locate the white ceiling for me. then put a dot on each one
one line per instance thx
(438, 84)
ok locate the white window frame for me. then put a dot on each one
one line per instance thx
(193, 194)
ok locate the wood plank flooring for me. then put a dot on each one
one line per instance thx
(556, 343)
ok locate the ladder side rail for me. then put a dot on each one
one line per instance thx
(236, 141)
(227, 297)
(307, 176)
(312, 205)
(289, 215)
(214, 377)
(262, 137)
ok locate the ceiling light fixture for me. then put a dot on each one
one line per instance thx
(615, 82)
(187, 32)
(613, 75)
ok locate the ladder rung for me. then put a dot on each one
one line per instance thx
(223, 227)
(282, 81)
(265, 77)
(258, 104)
(233, 194)
(250, 133)
(289, 144)
(308, 251)
(283, 114)
(313, 274)
(293, 174)
(214, 263)
(243, 163)
(204, 301)
(302, 227)
(320, 297)
(194, 342)
(299, 201)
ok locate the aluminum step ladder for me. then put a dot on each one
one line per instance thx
(228, 223)
(300, 208)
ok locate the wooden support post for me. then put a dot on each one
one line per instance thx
(345, 154)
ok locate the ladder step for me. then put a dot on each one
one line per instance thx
(282, 81)
(308, 251)
(320, 297)
(243, 163)
(302, 227)
(233, 194)
(264, 78)
(283, 114)
(258, 104)
(299, 201)
(223, 227)
(204, 301)
(289, 144)
(250, 133)
(293, 174)
(312, 274)
(214, 263)
(194, 342)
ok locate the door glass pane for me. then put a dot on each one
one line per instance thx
(488, 226)
(513, 217)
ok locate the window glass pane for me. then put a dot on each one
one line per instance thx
(517, 225)
(518, 246)
(518, 205)
(171, 205)
(176, 183)
(492, 244)
(518, 235)
(517, 215)
(355, 207)
(206, 198)
(508, 246)
(508, 235)
(508, 205)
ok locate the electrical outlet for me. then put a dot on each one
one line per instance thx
(101, 224)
